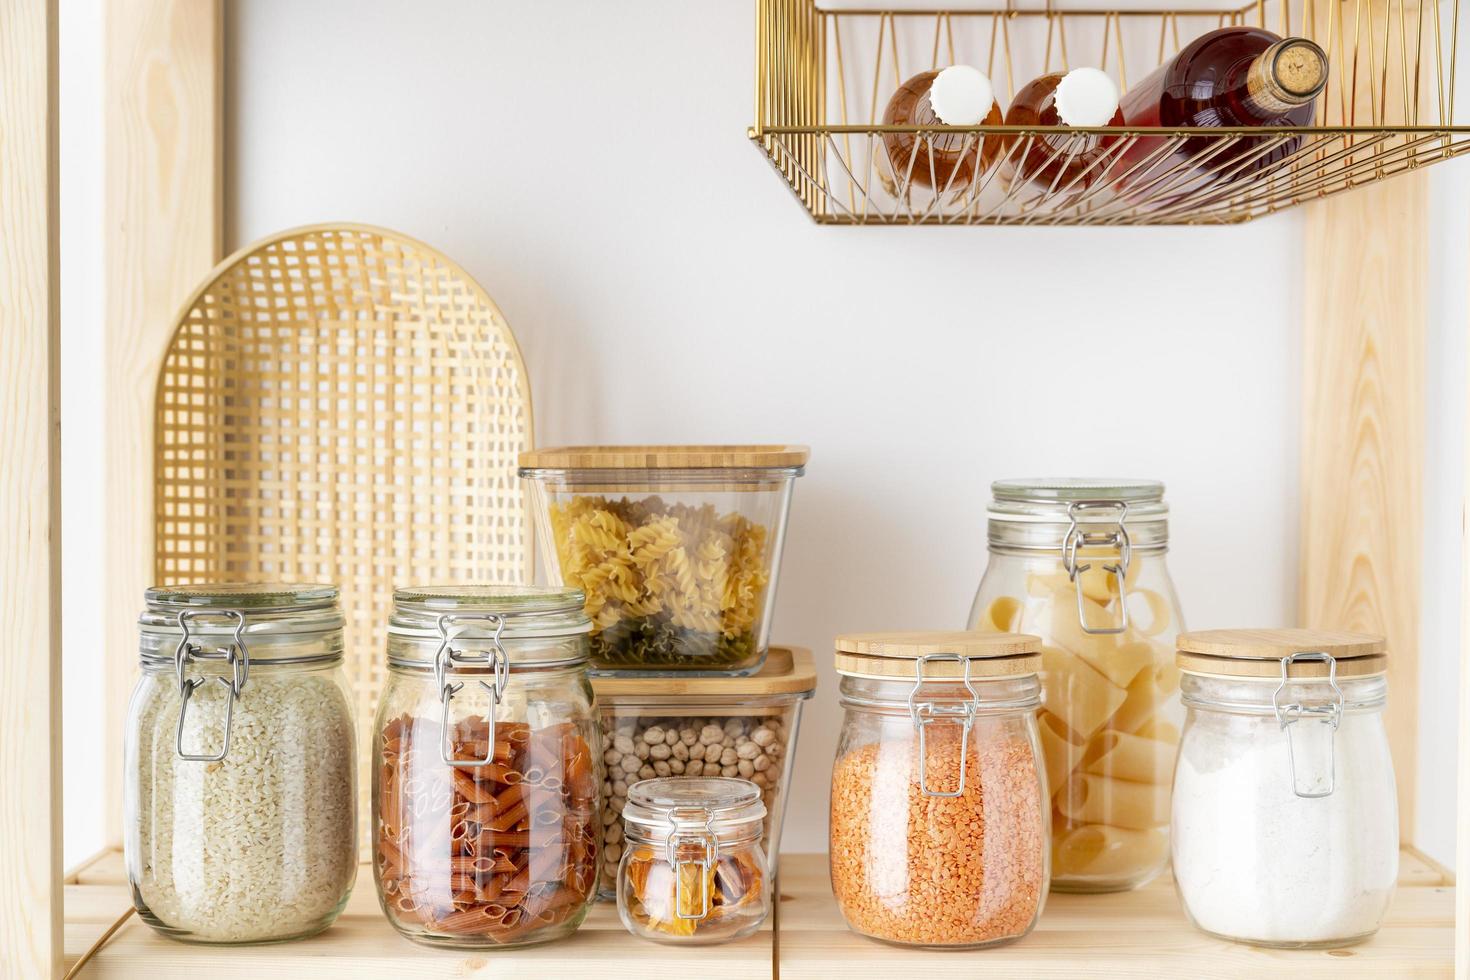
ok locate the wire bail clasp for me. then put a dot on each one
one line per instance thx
(1317, 777)
(1114, 537)
(926, 713)
(710, 847)
(447, 658)
(235, 654)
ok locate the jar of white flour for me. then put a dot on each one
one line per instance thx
(1285, 818)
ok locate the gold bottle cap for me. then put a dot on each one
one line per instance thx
(1289, 73)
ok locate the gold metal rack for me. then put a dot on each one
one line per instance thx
(824, 74)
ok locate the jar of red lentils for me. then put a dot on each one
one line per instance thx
(939, 831)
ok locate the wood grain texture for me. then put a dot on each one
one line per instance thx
(1142, 933)
(1462, 825)
(664, 457)
(1363, 354)
(1362, 452)
(1278, 643)
(30, 494)
(362, 944)
(787, 670)
(162, 199)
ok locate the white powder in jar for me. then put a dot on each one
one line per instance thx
(1254, 861)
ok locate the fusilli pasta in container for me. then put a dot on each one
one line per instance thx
(676, 547)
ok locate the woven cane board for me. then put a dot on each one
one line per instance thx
(342, 404)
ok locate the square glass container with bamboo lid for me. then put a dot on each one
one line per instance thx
(696, 726)
(676, 547)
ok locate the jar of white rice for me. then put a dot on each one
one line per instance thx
(240, 772)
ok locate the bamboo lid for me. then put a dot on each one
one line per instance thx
(787, 670)
(1258, 653)
(896, 654)
(665, 457)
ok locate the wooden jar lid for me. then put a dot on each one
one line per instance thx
(787, 670)
(1258, 653)
(664, 457)
(894, 654)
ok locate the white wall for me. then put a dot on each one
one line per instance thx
(587, 163)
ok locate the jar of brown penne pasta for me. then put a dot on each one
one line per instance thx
(1080, 563)
(485, 785)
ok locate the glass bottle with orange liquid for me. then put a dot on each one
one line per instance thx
(955, 96)
(1061, 163)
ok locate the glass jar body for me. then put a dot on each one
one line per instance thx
(913, 867)
(495, 855)
(1253, 860)
(648, 736)
(689, 900)
(260, 846)
(679, 566)
(1110, 709)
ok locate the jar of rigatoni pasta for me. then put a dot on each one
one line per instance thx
(1080, 563)
(486, 817)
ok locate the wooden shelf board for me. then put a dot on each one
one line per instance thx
(1136, 934)
(362, 944)
(1142, 933)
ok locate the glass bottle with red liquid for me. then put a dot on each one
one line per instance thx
(1061, 163)
(955, 96)
(1234, 76)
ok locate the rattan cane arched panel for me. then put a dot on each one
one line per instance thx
(342, 404)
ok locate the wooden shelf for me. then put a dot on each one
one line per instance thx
(361, 945)
(1135, 934)
(1141, 933)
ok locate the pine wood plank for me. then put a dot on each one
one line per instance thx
(1462, 802)
(162, 208)
(1362, 429)
(1134, 934)
(30, 494)
(1363, 436)
(362, 944)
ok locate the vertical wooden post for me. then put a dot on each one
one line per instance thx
(162, 205)
(1462, 802)
(30, 494)
(1363, 435)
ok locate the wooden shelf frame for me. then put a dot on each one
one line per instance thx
(1363, 362)
(1141, 934)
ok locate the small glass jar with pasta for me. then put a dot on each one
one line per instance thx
(1080, 563)
(487, 763)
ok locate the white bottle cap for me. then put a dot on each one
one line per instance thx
(1086, 97)
(961, 96)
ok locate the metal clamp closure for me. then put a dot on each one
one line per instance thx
(1317, 777)
(711, 854)
(926, 713)
(447, 658)
(1115, 537)
(234, 653)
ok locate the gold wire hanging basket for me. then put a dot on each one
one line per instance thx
(824, 74)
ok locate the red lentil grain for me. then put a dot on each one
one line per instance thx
(939, 871)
